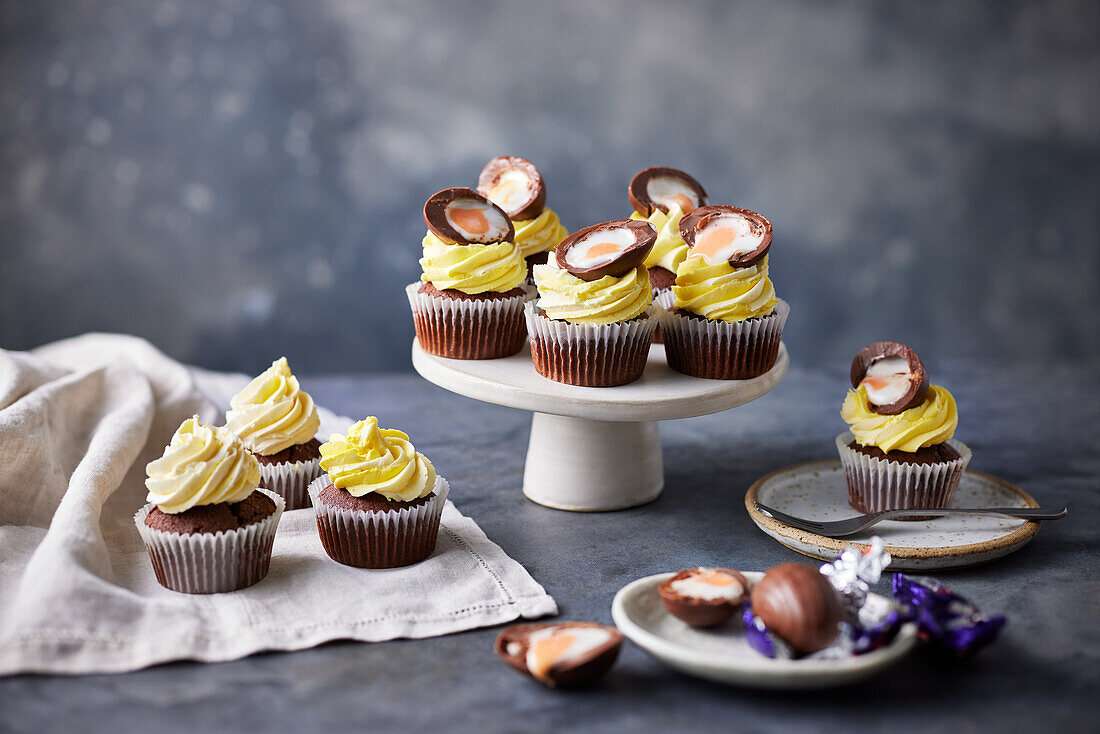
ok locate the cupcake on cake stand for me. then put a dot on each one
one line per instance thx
(594, 448)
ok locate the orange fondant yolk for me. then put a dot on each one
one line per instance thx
(546, 652)
(504, 190)
(878, 383)
(683, 202)
(713, 240)
(716, 578)
(473, 221)
(604, 248)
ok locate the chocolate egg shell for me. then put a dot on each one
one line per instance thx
(697, 611)
(917, 389)
(638, 234)
(520, 170)
(512, 644)
(499, 227)
(697, 220)
(798, 604)
(640, 196)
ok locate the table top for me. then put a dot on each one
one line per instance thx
(1033, 426)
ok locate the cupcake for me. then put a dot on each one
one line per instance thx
(662, 196)
(898, 452)
(380, 502)
(469, 303)
(592, 323)
(208, 526)
(516, 186)
(722, 319)
(277, 421)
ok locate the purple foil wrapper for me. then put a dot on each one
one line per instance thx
(760, 639)
(945, 620)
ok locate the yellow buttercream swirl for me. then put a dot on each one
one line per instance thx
(472, 269)
(540, 234)
(930, 423)
(384, 461)
(722, 292)
(272, 412)
(670, 249)
(565, 297)
(202, 465)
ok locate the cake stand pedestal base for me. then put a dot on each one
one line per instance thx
(590, 465)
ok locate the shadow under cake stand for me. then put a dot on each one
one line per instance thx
(594, 448)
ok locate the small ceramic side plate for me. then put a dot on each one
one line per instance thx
(817, 490)
(722, 654)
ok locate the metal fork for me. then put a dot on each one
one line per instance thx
(852, 525)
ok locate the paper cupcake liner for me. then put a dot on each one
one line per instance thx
(291, 481)
(473, 329)
(879, 484)
(379, 539)
(719, 350)
(589, 355)
(208, 563)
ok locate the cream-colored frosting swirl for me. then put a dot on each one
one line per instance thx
(930, 423)
(370, 459)
(540, 234)
(607, 300)
(272, 412)
(472, 269)
(202, 465)
(722, 292)
(670, 249)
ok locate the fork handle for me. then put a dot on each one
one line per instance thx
(1024, 513)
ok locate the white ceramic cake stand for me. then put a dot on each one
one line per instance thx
(593, 448)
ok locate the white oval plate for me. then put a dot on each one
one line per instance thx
(818, 490)
(723, 654)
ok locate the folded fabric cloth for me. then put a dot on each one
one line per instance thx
(79, 419)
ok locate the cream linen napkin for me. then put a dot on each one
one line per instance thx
(79, 419)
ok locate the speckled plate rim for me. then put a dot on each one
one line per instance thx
(983, 552)
(752, 670)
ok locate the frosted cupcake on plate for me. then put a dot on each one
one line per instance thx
(277, 421)
(379, 504)
(662, 196)
(208, 526)
(516, 186)
(722, 319)
(469, 303)
(899, 451)
(592, 323)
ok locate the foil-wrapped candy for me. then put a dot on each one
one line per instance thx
(946, 621)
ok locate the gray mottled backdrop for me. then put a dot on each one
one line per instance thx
(239, 180)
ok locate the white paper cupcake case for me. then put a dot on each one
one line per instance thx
(208, 563)
(719, 349)
(878, 484)
(379, 539)
(291, 481)
(587, 354)
(468, 329)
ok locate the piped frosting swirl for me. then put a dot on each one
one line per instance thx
(272, 412)
(370, 459)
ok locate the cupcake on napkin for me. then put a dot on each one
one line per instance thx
(722, 319)
(209, 526)
(516, 186)
(898, 452)
(277, 421)
(469, 304)
(592, 323)
(380, 502)
(662, 196)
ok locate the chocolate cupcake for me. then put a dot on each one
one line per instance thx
(592, 323)
(516, 186)
(704, 597)
(898, 452)
(722, 319)
(380, 502)
(208, 527)
(277, 421)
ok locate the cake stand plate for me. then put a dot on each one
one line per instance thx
(818, 490)
(593, 448)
